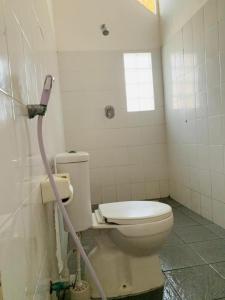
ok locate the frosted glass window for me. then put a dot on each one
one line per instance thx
(139, 81)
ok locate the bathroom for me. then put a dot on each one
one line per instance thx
(139, 88)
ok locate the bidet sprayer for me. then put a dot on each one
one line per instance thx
(40, 109)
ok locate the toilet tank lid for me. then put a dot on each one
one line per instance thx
(71, 157)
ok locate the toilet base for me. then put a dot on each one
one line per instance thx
(123, 275)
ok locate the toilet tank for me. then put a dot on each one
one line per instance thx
(77, 165)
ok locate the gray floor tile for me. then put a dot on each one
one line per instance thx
(197, 283)
(191, 234)
(196, 217)
(152, 295)
(181, 219)
(176, 257)
(216, 229)
(220, 268)
(173, 240)
(211, 251)
(169, 292)
(170, 202)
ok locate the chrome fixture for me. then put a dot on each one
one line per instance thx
(109, 112)
(104, 30)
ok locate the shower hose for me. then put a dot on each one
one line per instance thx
(61, 206)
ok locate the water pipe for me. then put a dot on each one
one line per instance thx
(40, 111)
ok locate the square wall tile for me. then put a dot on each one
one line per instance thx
(210, 11)
(219, 213)
(195, 202)
(206, 207)
(195, 109)
(215, 130)
(164, 188)
(138, 191)
(221, 36)
(152, 189)
(16, 58)
(218, 186)
(213, 71)
(217, 158)
(124, 192)
(109, 194)
(205, 185)
(4, 60)
(221, 10)
(212, 41)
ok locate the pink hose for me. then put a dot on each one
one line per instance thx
(64, 212)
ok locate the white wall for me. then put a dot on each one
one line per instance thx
(175, 13)
(27, 54)
(78, 25)
(194, 78)
(128, 153)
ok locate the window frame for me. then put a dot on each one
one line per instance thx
(152, 83)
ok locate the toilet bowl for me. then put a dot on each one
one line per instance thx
(128, 235)
(128, 238)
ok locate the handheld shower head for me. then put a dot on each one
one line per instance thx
(40, 109)
(46, 90)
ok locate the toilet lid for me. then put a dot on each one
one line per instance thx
(134, 212)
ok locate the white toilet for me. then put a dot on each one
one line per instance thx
(128, 235)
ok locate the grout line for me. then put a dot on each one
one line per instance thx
(184, 268)
(216, 239)
(211, 266)
(173, 288)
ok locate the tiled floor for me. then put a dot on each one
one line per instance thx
(193, 259)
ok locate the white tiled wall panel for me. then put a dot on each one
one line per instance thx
(27, 54)
(128, 153)
(194, 79)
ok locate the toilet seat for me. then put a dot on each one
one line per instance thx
(132, 212)
(128, 246)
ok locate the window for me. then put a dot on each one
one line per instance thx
(139, 81)
(149, 4)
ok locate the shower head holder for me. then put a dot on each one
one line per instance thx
(36, 110)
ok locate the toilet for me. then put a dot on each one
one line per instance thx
(128, 235)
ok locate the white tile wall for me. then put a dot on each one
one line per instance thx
(195, 111)
(27, 54)
(128, 153)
